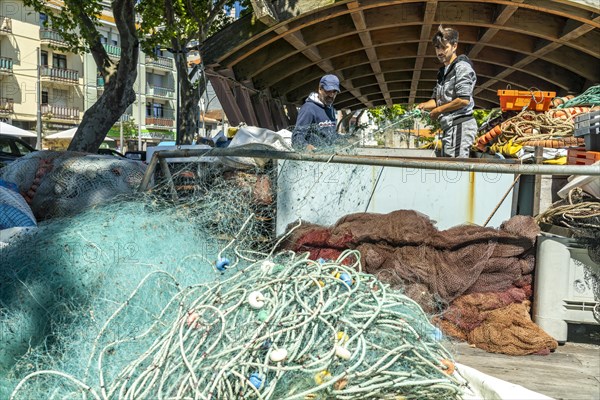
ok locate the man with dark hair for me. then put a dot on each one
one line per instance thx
(452, 100)
(317, 121)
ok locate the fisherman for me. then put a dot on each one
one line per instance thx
(452, 101)
(317, 121)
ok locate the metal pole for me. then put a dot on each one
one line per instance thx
(177, 121)
(140, 105)
(432, 163)
(38, 89)
(121, 136)
(487, 221)
(537, 186)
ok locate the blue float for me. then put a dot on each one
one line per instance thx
(222, 263)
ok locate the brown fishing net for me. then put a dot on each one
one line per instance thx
(471, 269)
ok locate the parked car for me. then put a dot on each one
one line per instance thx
(11, 148)
(110, 152)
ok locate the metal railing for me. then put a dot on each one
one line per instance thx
(158, 91)
(6, 105)
(59, 112)
(112, 50)
(6, 65)
(5, 24)
(160, 122)
(413, 164)
(49, 35)
(59, 74)
(160, 62)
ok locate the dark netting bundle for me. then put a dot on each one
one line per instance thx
(59, 184)
(580, 213)
(437, 267)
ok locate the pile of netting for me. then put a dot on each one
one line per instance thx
(551, 129)
(591, 98)
(439, 269)
(580, 213)
(57, 184)
(125, 296)
(283, 327)
(61, 280)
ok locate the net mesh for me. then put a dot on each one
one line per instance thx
(439, 268)
(58, 184)
(122, 298)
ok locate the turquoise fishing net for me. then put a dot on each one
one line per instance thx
(125, 300)
(283, 327)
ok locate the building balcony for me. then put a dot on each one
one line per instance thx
(6, 66)
(165, 123)
(5, 25)
(49, 36)
(113, 51)
(63, 75)
(160, 92)
(159, 62)
(56, 112)
(100, 86)
(6, 106)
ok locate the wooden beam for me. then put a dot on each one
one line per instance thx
(501, 19)
(242, 99)
(523, 62)
(225, 96)
(361, 26)
(428, 17)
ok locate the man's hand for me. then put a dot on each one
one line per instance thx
(310, 147)
(435, 113)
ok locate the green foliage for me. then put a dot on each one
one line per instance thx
(481, 115)
(383, 114)
(179, 22)
(433, 124)
(130, 128)
(69, 22)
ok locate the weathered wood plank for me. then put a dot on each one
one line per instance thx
(571, 372)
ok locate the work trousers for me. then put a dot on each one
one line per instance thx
(458, 139)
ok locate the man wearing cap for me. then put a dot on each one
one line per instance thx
(317, 121)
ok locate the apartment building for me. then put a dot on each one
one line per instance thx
(68, 83)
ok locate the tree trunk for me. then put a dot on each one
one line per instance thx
(118, 91)
(188, 111)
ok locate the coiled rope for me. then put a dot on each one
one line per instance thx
(591, 97)
(284, 327)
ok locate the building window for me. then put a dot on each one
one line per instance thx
(60, 97)
(114, 42)
(59, 61)
(103, 39)
(155, 110)
(158, 111)
(43, 20)
(44, 58)
(44, 97)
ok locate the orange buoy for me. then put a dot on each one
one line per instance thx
(449, 366)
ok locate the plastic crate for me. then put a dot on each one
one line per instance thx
(580, 156)
(565, 283)
(516, 100)
(587, 120)
(591, 135)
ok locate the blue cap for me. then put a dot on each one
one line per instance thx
(330, 82)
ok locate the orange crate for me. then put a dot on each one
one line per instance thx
(518, 99)
(579, 156)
